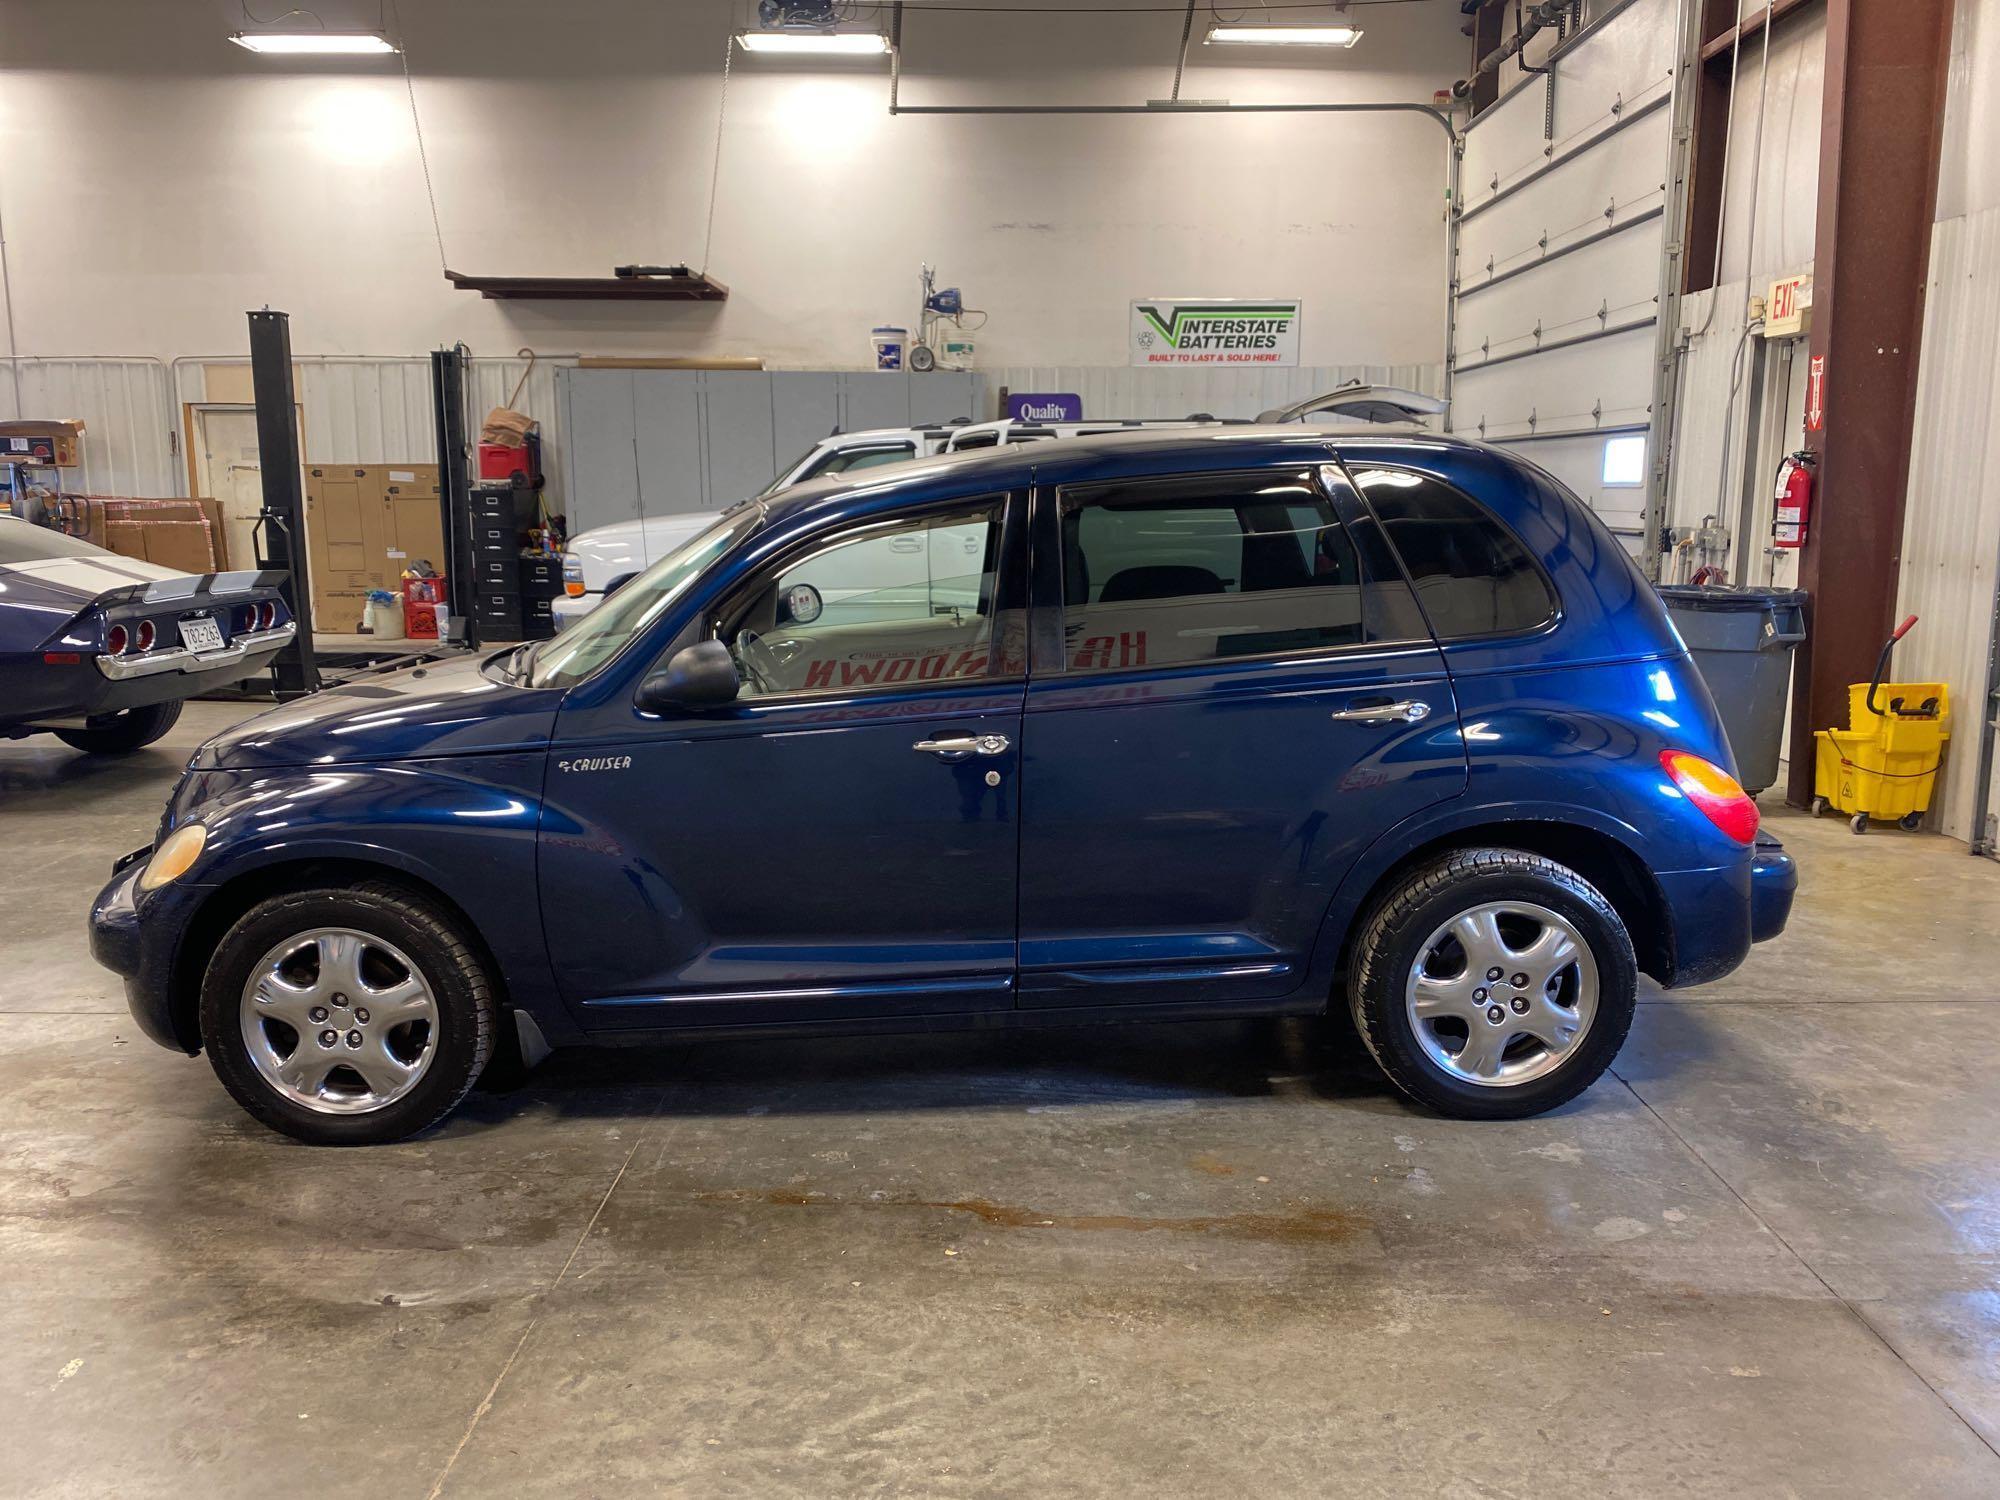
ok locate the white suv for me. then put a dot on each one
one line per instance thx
(599, 561)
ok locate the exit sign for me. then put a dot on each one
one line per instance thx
(1790, 301)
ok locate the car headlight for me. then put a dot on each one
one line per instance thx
(573, 577)
(177, 852)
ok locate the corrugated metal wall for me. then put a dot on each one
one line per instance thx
(128, 413)
(1119, 391)
(378, 410)
(1951, 531)
(1695, 485)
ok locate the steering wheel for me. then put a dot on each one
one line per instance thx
(757, 660)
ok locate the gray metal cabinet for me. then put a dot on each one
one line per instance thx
(737, 434)
(871, 398)
(943, 395)
(671, 442)
(805, 407)
(600, 459)
(666, 407)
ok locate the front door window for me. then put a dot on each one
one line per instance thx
(876, 608)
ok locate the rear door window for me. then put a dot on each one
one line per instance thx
(1214, 567)
(1472, 574)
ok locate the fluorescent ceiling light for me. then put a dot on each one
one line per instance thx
(314, 43)
(815, 43)
(1291, 36)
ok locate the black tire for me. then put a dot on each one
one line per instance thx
(1397, 929)
(1911, 821)
(462, 990)
(130, 730)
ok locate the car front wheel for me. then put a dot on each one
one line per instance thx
(1493, 984)
(347, 1016)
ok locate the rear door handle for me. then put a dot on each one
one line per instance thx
(1401, 711)
(959, 746)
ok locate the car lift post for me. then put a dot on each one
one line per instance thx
(281, 523)
(454, 488)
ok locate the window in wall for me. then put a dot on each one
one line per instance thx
(1169, 572)
(1625, 462)
(1472, 574)
(874, 608)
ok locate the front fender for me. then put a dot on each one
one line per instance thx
(464, 826)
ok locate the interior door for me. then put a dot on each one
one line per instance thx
(840, 842)
(1236, 695)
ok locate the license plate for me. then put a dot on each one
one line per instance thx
(201, 635)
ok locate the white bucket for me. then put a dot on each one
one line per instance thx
(385, 621)
(889, 345)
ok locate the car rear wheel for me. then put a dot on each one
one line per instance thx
(347, 1017)
(1493, 984)
(113, 734)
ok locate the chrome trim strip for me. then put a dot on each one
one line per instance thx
(180, 659)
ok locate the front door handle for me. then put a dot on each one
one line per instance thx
(1402, 711)
(959, 746)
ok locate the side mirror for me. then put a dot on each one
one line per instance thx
(699, 676)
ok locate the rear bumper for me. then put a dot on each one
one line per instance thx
(1774, 881)
(1719, 913)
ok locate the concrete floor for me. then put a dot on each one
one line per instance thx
(1761, 1259)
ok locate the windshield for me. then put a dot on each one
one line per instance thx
(21, 542)
(602, 634)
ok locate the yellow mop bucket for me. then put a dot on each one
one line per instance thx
(1885, 763)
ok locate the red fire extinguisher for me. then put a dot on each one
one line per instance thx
(1794, 497)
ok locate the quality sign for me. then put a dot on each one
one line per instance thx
(1216, 331)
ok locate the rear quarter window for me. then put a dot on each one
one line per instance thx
(1473, 576)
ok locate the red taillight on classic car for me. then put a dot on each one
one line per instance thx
(1719, 796)
(116, 639)
(267, 614)
(145, 635)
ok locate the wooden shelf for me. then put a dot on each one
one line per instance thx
(693, 287)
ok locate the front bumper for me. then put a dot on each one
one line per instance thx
(567, 609)
(140, 948)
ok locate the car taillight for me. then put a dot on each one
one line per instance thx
(1721, 799)
(246, 617)
(116, 639)
(267, 615)
(145, 635)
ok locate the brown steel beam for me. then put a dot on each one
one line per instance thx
(1880, 137)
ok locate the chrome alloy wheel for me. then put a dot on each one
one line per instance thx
(1501, 994)
(339, 1021)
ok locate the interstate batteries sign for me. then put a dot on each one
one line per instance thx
(1215, 331)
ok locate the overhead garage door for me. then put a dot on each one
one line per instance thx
(1561, 237)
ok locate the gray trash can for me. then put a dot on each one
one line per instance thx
(1742, 640)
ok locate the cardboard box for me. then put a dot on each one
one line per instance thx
(185, 535)
(364, 524)
(506, 427)
(56, 445)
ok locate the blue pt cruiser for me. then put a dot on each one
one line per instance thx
(1154, 726)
